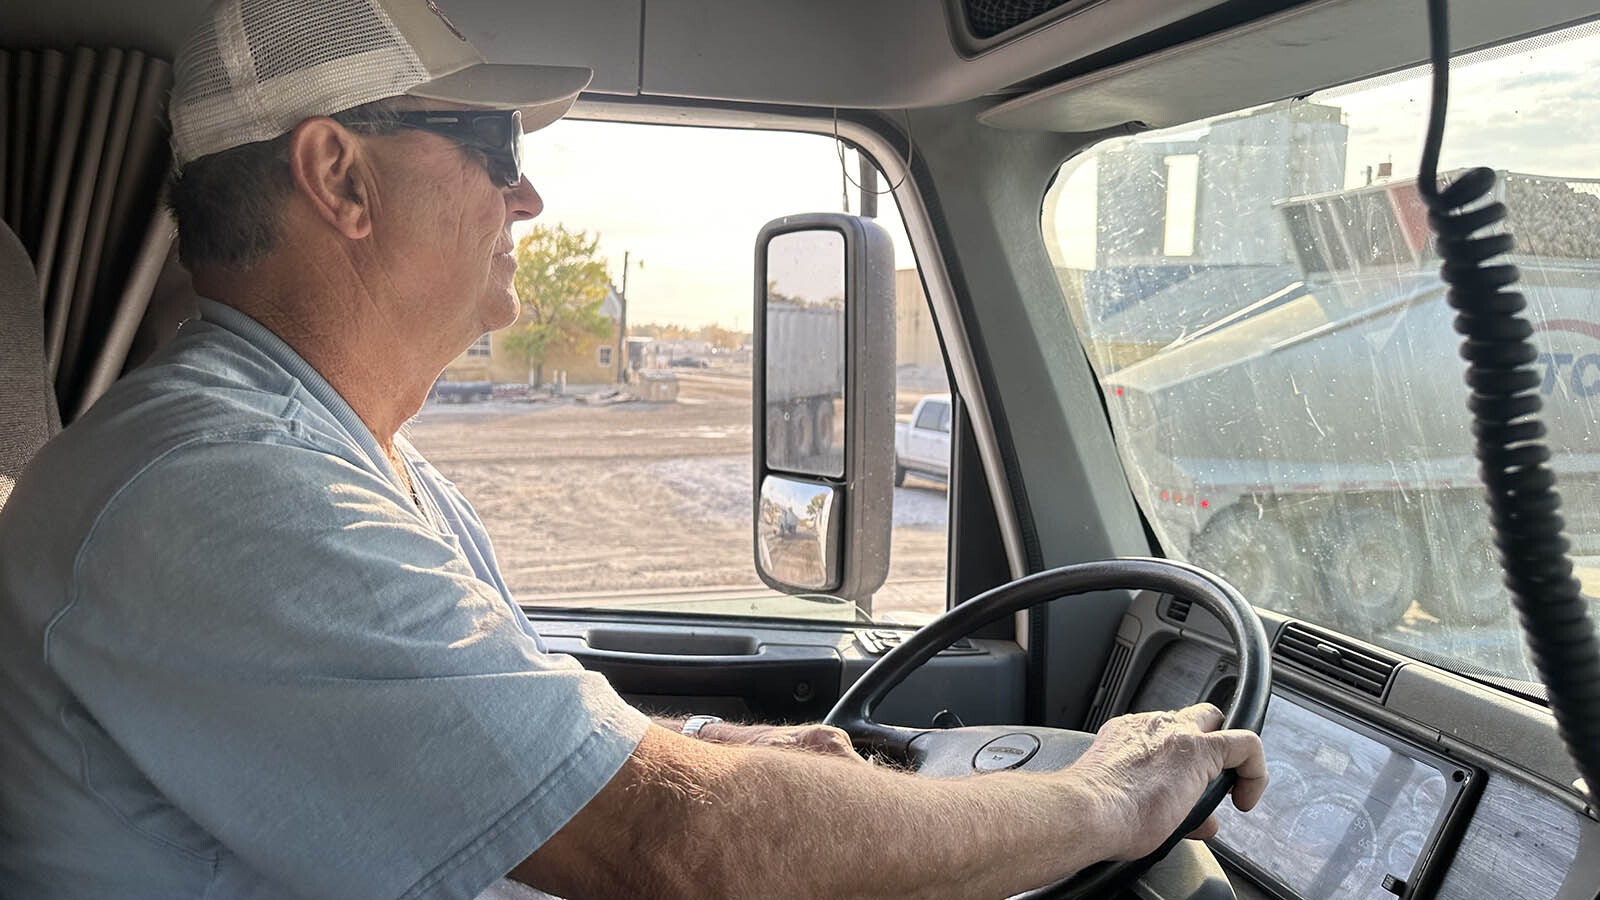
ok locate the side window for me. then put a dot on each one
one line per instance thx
(928, 419)
(611, 482)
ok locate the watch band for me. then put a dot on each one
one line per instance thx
(691, 727)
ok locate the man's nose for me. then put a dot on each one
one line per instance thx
(523, 202)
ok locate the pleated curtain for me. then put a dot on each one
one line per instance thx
(83, 162)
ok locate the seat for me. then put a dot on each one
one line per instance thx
(28, 415)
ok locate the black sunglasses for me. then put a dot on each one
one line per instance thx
(497, 134)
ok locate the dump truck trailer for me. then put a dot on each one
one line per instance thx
(800, 412)
(1259, 463)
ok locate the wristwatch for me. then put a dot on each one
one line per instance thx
(691, 727)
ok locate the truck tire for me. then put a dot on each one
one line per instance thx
(1254, 550)
(804, 428)
(823, 424)
(1373, 560)
(899, 475)
(1464, 584)
(777, 439)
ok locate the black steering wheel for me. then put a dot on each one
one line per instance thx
(966, 750)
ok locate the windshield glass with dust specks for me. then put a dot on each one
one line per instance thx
(1259, 296)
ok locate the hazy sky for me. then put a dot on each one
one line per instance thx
(1531, 107)
(687, 202)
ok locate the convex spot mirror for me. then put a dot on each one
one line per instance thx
(824, 404)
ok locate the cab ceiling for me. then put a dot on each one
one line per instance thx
(1278, 56)
(894, 54)
(883, 54)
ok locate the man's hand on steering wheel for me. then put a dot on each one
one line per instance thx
(1150, 768)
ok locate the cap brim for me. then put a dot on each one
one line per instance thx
(543, 93)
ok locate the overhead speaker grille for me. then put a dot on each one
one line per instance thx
(987, 18)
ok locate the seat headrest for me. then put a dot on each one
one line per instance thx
(27, 402)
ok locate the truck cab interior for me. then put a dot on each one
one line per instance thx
(1170, 264)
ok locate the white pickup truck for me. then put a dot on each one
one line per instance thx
(922, 445)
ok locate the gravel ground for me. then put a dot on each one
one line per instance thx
(633, 497)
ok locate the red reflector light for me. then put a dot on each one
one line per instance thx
(1165, 496)
(1205, 504)
(1119, 392)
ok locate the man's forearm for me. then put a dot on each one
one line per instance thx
(686, 818)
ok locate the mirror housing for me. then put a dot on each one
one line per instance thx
(824, 394)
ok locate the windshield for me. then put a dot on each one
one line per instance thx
(1259, 297)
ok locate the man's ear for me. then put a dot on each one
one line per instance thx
(327, 164)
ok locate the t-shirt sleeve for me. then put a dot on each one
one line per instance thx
(312, 673)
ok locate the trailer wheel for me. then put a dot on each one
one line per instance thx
(1254, 550)
(824, 424)
(1465, 586)
(805, 434)
(777, 439)
(1372, 566)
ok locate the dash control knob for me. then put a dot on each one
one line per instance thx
(1006, 752)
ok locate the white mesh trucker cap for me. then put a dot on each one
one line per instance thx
(256, 68)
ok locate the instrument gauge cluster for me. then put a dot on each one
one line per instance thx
(1350, 813)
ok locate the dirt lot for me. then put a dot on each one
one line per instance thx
(640, 498)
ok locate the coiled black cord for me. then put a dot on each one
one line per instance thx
(1523, 503)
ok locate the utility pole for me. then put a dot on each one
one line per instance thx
(622, 325)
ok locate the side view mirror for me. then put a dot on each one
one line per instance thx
(824, 404)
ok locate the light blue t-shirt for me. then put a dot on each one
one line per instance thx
(241, 661)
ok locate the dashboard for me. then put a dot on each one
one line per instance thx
(1355, 811)
(1432, 788)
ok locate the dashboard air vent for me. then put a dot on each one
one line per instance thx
(1335, 659)
(1178, 609)
(1116, 669)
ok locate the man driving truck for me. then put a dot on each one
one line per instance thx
(263, 649)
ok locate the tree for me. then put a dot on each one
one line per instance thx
(561, 283)
(657, 332)
(722, 338)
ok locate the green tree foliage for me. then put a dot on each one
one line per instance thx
(657, 331)
(561, 283)
(713, 334)
(722, 338)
